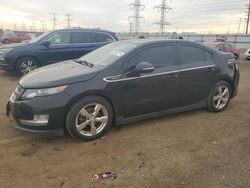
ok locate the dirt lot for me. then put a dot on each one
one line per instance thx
(192, 149)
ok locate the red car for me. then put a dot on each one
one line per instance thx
(225, 47)
(15, 38)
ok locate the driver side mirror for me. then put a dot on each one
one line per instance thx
(46, 43)
(144, 67)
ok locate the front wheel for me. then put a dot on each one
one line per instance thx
(219, 97)
(26, 64)
(89, 118)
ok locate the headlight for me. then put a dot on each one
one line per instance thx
(31, 93)
(4, 51)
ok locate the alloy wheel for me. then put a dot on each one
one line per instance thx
(27, 66)
(221, 97)
(91, 119)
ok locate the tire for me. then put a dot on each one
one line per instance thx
(219, 97)
(91, 122)
(26, 64)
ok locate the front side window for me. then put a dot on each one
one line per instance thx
(59, 38)
(158, 56)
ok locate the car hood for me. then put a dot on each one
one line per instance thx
(63, 73)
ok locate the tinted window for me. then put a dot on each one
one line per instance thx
(102, 37)
(59, 38)
(190, 54)
(208, 56)
(160, 57)
(81, 37)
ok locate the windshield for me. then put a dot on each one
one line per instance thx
(108, 54)
(39, 37)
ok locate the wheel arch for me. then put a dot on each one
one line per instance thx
(24, 56)
(231, 83)
(83, 95)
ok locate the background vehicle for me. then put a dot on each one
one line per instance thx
(247, 54)
(15, 38)
(124, 82)
(225, 47)
(53, 47)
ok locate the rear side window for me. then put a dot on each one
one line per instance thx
(191, 54)
(102, 37)
(81, 37)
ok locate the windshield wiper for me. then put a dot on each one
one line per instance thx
(82, 62)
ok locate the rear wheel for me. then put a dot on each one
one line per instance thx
(89, 118)
(26, 64)
(219, 97)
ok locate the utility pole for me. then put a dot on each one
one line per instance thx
(239, 25)
(163, 8)
(53, 20)
(68, 20)
(137, 7)
(248, 16)
(24, 26)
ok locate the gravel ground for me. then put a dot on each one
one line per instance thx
(191, 149)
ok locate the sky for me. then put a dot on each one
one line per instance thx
(201, 16)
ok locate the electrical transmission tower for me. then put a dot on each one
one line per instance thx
(130, 27)
(163, 9)
(136, 18)
(53, 20)
(68, 20)
(248, 17)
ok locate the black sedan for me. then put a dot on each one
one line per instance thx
(123, 82)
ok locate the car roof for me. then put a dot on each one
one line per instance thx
(85, 29)
(145, 42)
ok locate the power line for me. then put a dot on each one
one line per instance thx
(137, 7)
(163, 9)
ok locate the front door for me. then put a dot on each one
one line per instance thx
(58, 50)
(155, 91)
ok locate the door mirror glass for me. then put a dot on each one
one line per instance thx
(46, 43)
(144, 67)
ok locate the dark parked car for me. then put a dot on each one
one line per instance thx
(123, 82)
(53, 47)
(225, 47)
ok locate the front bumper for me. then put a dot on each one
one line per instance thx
(24, 113)
(4, 65)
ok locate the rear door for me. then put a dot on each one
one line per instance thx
(58, 50)
(151, 92)
(198, 72)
